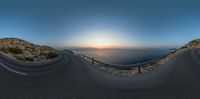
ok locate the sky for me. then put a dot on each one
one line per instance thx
(101, 23)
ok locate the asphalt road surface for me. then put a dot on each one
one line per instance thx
(179, 78)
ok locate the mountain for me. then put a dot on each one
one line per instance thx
(26, 51)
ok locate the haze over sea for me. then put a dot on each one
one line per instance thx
(124, 56)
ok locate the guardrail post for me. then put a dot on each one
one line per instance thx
(83, 57)
(139, 69)
(92, 60)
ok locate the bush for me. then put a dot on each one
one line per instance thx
(52, 55)
(4, 50)
(49, 55)
(20, 58)
(15, 50)
(28, 59)
(183, 47)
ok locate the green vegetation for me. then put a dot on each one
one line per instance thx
(12, 50)
(24, 58)
(20, 58)
(49, 55)
(15, 50)
(25, 51)
(52, 55)
(4, 50)
(28, 59)
(183, 47)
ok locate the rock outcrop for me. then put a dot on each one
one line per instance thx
(26, 51)
(193, 44)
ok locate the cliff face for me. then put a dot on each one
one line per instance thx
(26, 51)
(193, 44)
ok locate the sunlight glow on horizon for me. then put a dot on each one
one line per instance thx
(102, 39)
(66, 24)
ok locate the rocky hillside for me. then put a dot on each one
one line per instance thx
(26, 51)
(193, 44)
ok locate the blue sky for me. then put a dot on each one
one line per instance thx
(134, 23)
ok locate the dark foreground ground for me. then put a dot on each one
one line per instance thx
(77, 79)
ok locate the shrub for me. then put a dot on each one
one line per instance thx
(15, 50)
(49, 55)
(4, 50)
(20, 58)
(28, 59)
(52, 55)
(183, 47)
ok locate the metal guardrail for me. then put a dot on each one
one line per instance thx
(137, 66)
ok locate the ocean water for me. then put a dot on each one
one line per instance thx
(124, 56)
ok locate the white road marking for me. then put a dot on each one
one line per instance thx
(12, 70)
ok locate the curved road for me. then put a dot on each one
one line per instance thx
(179, 78)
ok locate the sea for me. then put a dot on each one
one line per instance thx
(124, 56)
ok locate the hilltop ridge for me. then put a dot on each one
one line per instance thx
(193, 44)
(26, 51)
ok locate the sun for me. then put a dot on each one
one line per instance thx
(101, 39)
(102, 46)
